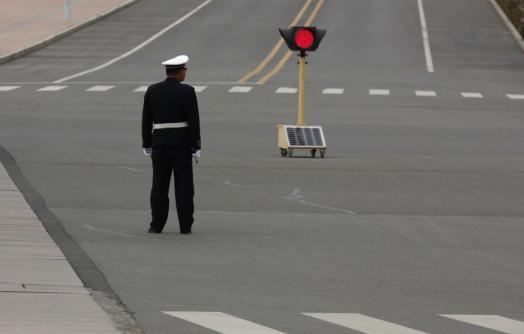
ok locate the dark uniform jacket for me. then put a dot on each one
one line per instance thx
(170, 101)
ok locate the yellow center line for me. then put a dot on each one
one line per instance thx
(288, 54)
(276, 48)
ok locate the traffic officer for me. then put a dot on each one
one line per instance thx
(171, 136)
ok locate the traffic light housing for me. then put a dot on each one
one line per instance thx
(301, 38)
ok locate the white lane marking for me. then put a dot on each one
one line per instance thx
(495, 322)
(141, 89)
(362, 323)
(129, 168)
(229, 183)
(515, 96)
(240, 89)
(425, 38)
(91, 228)
(99, 88)
(286, 90)
(223, 323)
(51, 88)
(296, 196)
(383, 92)
(425, 93)
(471, 95)
(234, 185)
(333, 91)
(138, 47)
(199, 89)
(8, 88)
(296, 193)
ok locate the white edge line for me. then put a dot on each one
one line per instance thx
(138, 47)
(425, 38)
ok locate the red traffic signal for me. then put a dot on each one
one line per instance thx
(302, 38)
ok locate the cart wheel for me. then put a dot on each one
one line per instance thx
(313, 153)
(283, 152)
(290, 153)
(322, 153)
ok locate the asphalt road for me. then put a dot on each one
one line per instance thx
(415, 212)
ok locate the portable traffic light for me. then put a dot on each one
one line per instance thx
(302, 38)
(300, 136)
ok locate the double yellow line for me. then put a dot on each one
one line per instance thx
(262, 65)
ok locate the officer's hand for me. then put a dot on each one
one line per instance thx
(196, 154)
(148, 151)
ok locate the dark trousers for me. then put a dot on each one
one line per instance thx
(165, 161)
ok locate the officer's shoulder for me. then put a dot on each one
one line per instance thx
(187, 87)
(155, 85)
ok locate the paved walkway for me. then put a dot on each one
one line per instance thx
(39, 291)
(26, 23)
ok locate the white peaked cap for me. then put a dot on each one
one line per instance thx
(177, 61)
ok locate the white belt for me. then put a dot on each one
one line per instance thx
(170, 125)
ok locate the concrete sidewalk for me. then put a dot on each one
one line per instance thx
(29, 24)
(39, 291)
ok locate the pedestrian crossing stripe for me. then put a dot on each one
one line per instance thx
(199, 89)
(248, 89)
(425, 93)
(382, 92)
(52, 88)
(286, 90)
(100, 88)
(228, 324)
(495, 322)
(515, 96)
(8, 88)
(223, 323)
(363, 323)
(141, 89)
(333, 91)
(469, 95)
(240, 89)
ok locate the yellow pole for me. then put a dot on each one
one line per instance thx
(301, 80)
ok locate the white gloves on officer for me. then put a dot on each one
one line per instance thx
(148, 151)
(196, 154)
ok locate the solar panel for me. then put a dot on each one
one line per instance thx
(305, 136)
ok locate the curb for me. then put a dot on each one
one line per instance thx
(62, 34)
(518, 38)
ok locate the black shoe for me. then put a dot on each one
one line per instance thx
(153, 231)
(185, 231)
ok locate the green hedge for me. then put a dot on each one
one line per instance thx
(514, 9)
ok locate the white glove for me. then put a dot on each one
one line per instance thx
(196, 155)
(148, 151)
